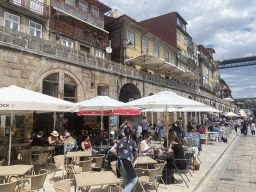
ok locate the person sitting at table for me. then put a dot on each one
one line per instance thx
(201, 129)
(40, 140)
(69, 143)
(127, 152)
(33, 138)
(216, 129)
(178, 153)
(53, 138)
(99, 140)
(145, 145)
(86, 144)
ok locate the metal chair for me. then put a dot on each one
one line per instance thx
(60, 164)
(36, 182)
(161, 164)
(41, 160)
(62, 186)
(98, 163)
(149, 178)
(183, 170)
(84, 166)
(8, 186)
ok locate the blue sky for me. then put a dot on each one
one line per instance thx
(228, 26)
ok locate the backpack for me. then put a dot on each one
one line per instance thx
(225, 140)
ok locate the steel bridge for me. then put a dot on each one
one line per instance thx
(239, 62)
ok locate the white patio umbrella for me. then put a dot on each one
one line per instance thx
(231, 114)
(101, 103)
(165, 99)
(229, 99)
(16, 100)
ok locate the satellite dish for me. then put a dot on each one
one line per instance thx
(109, 50)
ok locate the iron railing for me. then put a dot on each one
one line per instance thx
(36, 6)
(79, 33)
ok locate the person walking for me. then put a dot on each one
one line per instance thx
(252, 126)
(244, 126)
(177, 128)
(127, 152)
(144, 124)
(161, 130)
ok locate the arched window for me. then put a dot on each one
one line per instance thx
(70, 88)
(53, 82)
(50, 85)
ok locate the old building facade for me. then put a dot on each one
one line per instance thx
(62, 53)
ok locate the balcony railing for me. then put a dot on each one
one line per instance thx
(191, 62)
(35, 6)
(71, 30)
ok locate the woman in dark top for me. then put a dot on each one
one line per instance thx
(127, 152)
(178, 153)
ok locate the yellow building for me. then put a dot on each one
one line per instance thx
(130, 39)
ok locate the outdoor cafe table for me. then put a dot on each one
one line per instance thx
(216, 134)
(88, 179)
(12, 170)
(60, 145)
(77, 154)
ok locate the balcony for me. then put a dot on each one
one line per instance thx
(78, 33)
(191, 62)
(34, 8)
(182, 59)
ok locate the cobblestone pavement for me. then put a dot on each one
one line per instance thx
(236, 169)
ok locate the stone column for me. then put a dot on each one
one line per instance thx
(196, 119)
(175, 116)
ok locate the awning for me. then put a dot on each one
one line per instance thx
(80, 20)
(153, 63)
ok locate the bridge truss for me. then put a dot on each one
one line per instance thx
(240, 62)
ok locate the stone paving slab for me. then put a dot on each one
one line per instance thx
(209, 155)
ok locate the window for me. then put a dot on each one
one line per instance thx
(11, 21)
(102, 90)
(173, 59)
(37, 6)
(95, 12)
(166, 56)
(83, 6)
(69, 89)
(17, 2)
(144, 46)
(178, 21)
(184, 27)
(131, 38)
(66, 43)
(156, 51)
(35, 29)
(100, 54)
(52, 82)
(185, 41)
(71, 2)
(50, 85)
(178, 36)
(84, 49)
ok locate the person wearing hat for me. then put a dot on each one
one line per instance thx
(69, 142)
(53, 138)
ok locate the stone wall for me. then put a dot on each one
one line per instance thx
(26, 60)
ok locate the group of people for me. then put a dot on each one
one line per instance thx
(244, 124)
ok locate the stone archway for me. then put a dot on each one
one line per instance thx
(129, 92)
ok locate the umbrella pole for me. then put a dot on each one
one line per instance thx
(54, 120)
(101, 120)
(10, 141)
